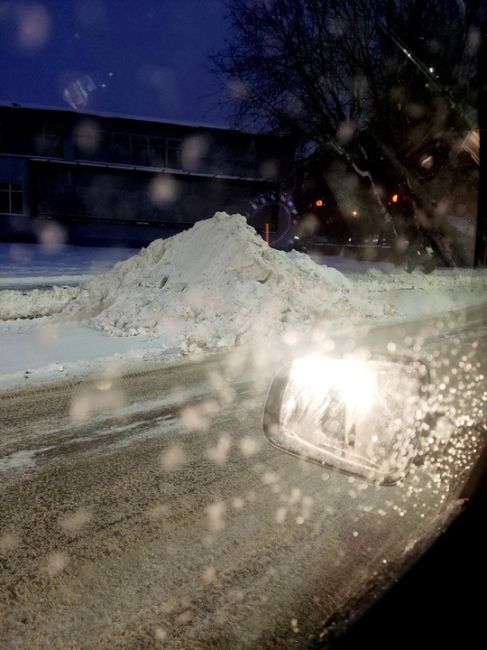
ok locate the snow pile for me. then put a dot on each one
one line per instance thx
(35, 303)
(214, 285)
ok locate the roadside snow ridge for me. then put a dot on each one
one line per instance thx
(214, 285)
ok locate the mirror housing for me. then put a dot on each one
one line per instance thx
(360, 417)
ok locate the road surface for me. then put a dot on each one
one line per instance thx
(149, 510)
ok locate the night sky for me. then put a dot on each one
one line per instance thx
(146, 57)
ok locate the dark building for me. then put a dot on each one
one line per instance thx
(108, 179)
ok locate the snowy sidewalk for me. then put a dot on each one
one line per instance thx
(43, 350)
(32, 266)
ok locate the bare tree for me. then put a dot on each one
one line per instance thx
(354, 74)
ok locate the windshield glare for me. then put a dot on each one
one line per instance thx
(242, 313)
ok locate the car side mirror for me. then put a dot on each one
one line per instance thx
(361, 417)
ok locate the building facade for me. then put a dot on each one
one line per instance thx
(115, 180)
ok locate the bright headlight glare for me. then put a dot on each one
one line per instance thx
(357, 411)
(354, 380)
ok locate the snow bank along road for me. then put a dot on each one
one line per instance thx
(150, 509)
(214, 286)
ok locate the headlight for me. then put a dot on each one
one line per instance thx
(358, 416)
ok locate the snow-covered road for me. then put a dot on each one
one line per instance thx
(151, 506)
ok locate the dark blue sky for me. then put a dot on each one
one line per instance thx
(149, 54)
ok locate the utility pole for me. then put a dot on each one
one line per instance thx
(480, 259)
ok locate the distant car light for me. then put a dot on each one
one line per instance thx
(395, 198)
(319, 203)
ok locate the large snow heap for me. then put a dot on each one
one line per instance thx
(214, 285)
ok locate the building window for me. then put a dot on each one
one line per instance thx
(134, 149)
(11, 198)
(173, 153)
(157, 152)
(165, 152)
(91, 144)
(140, 150)
(15, 139)
(49, 142)
(120, 151)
